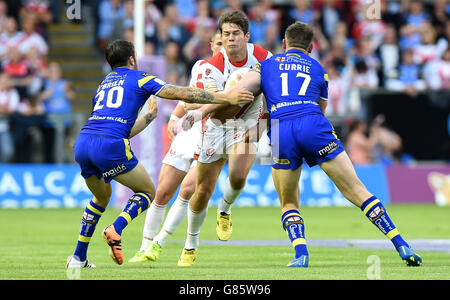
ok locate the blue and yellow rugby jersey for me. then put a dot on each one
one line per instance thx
(292, 83)
(118, 101)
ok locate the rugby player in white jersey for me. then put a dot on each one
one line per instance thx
(178, 167)
(223, 133)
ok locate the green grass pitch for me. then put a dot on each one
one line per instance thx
(35, 243)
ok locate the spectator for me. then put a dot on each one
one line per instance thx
(338, 87)
(176, 30)
(414, 18)
(40, 11)
(9, 104)
(3, 15)
(303, 12)
(341, 36)
(410, 79)
(330, 16)
(365, 51)
(427, 50)
(202, 17)
(174, 64)
(56, 99)
(359, 145)
(271, 14)
(17, 68)
(187, 9)
(198, 46)
(437, 73)
(364, 77)
(387, 144)
(31, 38)
(10, 37)
(443, 40)
(128, 20)
(258, 24)
(272, 40)
(389, 54)
(152, 17)
(109, 12)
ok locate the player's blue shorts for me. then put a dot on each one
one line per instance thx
(103, 156)
(310, 137)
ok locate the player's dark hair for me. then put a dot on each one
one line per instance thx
(299, 35)
(234, 17)
(118, 52)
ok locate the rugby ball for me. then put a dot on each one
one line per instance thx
(235, 77)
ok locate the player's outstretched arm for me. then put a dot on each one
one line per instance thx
(142, 122)
(196, 95)
(250, 82)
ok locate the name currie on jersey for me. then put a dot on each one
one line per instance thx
(294, 67)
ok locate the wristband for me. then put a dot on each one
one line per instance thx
(174, 118)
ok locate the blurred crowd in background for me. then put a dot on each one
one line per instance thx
(404, 47)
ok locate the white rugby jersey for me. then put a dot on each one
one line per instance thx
(213, 73)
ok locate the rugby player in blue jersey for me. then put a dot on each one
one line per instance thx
(102, 148)
(296, 90)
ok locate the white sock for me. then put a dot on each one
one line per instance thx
(195, 222)
(175, 216)
(153, 220)
(229, 195)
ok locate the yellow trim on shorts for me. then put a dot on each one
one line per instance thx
(281, 161)
(127, 149)
(371, 204)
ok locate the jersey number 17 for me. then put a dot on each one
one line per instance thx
(303, 88)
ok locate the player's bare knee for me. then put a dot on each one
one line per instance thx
(163, 196)
(237, 182)
(204, 193)
(186, 191)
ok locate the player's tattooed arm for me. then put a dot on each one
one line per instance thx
(196, 95)
(142, 122)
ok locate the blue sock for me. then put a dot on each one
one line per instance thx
(137, 204)
(91, 215)
(294, 226)
(376, 213)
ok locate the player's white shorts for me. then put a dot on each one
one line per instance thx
(183, 148)
(218, 138)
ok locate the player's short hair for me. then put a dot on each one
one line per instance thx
(118, 52)
(234, 17)
(299, 35)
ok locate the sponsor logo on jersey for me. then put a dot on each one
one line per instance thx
(330, 148)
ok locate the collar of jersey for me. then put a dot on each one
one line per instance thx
(293, 51)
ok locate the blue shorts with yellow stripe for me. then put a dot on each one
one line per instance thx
(310, 137)
(103, 156)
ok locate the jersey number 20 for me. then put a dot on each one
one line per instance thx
(111, 101)
(303, 88)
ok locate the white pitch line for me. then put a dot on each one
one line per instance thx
(441, 245)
